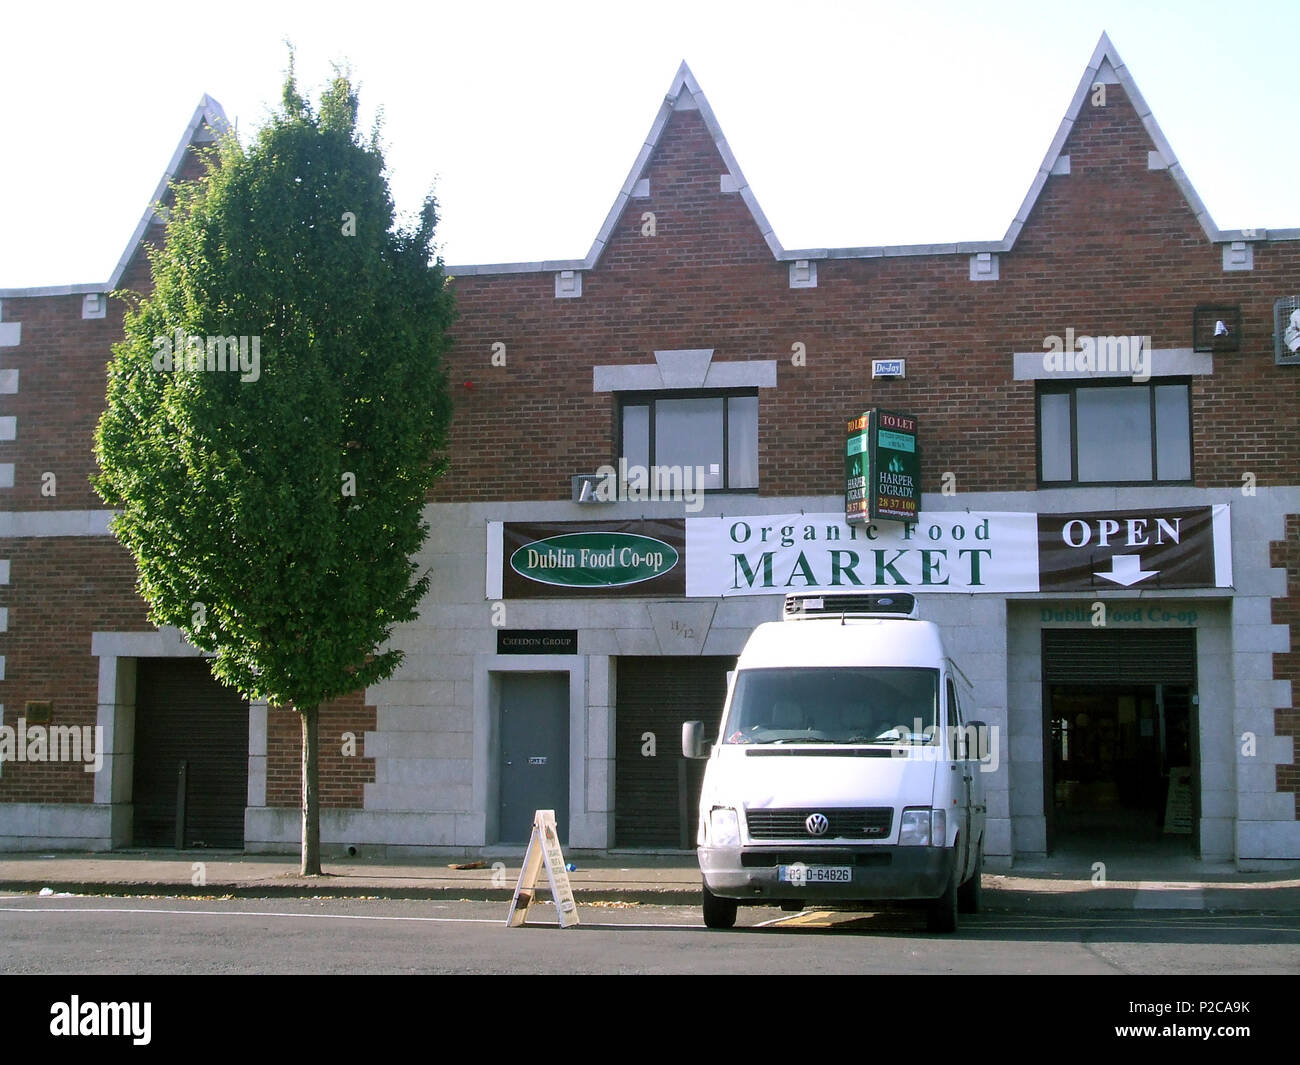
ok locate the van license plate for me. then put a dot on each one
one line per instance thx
(814, 874)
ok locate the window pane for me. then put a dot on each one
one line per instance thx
(688, 432)
(1173, 434)
(742, 442)
(1114, 433)
(1054, 424)
(636, 436)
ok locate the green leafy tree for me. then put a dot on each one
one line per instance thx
(273, 506)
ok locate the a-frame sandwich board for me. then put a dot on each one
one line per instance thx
(543, 849)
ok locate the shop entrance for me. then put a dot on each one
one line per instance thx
(1120, 732)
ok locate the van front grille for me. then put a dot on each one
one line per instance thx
(854, 822)
(859, 857)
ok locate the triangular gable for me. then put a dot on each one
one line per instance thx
(683, 95)
(1108, 68)
(207, 122)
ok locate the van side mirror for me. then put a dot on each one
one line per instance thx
(974, 737)
(693, 739)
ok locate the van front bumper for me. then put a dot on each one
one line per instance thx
(879, 873)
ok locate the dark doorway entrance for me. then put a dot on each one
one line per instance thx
(1120, 735)
(656, 790)
(1121, 762)
(186, 718)
(534, 752)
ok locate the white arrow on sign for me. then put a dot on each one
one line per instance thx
(1126, 570)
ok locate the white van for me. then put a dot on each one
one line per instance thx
(845, 770)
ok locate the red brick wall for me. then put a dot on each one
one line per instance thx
(1111, 248)
(342, 777)
(1286, 664)
(60, 591)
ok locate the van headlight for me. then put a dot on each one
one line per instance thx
(724, 827)
(923, 827)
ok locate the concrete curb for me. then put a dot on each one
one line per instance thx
(1059, 898)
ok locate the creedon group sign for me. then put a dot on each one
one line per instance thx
(942, 551)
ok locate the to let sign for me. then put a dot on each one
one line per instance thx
(882, 468)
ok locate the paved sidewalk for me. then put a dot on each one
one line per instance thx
(1053, 885)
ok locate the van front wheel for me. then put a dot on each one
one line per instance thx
(718, 913)
(969, 894)
(941, 915)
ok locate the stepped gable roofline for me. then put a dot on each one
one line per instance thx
(208, 121)
(684, 94)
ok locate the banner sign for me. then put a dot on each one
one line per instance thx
(882, 468)
(944, 551)
(570, 559)
(950, 551)
(1168, 548)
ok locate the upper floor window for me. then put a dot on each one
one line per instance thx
(713, 432)
(1120, 433)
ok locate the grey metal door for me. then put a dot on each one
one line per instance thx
(534, 752)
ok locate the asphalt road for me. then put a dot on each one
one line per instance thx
(93, 935)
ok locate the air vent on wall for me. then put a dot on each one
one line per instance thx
(1286, 331)
(1216, 328)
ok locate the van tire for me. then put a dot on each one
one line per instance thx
(969, 895)
(718, 913)
(941, 914)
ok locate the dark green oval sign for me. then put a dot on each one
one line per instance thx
(594, 559)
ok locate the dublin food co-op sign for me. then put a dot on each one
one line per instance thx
(943, 551)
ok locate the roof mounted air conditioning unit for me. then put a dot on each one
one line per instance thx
(800, 606)
(1286, 331)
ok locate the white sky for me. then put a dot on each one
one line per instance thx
(855, 123)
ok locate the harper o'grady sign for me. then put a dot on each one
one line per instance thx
(882, 468)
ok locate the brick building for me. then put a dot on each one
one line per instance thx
(1110, 502)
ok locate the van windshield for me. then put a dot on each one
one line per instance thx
(888, 705)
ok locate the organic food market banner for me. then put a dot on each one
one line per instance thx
(945, 551)
(951, 551)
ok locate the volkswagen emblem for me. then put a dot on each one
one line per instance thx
(816, 824)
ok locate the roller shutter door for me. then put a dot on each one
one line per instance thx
(656, 695)
(1117, 656)
(183, 714)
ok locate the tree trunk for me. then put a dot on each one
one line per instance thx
(310, 793)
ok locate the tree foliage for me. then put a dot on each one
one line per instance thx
(273, 507)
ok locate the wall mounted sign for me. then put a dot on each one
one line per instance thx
(537, 641)
(553, 559)
(882, 468)
(944, 551)
(1186, 547)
